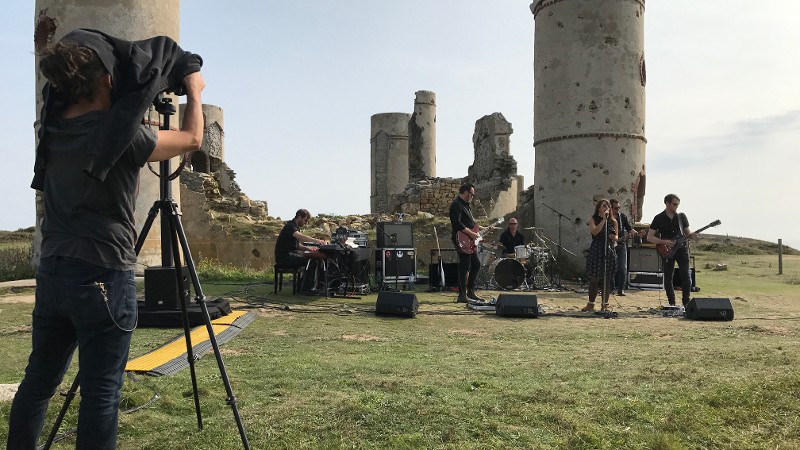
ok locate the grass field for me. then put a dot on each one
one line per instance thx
(328, 374)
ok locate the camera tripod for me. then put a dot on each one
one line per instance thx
(172, 233)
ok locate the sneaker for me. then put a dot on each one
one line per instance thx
(621, 293)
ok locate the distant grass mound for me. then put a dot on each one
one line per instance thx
(734, 245)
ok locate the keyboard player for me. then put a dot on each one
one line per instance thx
(291, 250)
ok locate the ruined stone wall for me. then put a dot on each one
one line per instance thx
(494, 170)
(431, 195)
(422, 137)
(388, 158)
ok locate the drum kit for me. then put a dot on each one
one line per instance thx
(525, 268)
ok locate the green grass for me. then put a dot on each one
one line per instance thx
(328, 374)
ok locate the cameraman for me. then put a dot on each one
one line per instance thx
(85, 288)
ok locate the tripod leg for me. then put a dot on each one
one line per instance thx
(151, 216)
(172, 218)
(57, 424)
(200, 298)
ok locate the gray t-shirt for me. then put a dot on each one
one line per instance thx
(85, 218)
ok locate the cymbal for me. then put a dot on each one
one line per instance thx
(532, 228)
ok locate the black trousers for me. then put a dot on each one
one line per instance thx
(468, 267)
(682, 258)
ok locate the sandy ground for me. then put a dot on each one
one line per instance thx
(7, 392)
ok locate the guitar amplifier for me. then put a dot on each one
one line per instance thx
(644, 259)
(646, 280)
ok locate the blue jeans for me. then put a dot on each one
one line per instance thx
(621, 281)
(93, 309)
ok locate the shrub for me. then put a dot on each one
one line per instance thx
(15, 261)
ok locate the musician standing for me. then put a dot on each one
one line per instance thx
(601, 259)
(289, 250)
(462, 221)
(511, 237)
(671, 225)
(625, 228)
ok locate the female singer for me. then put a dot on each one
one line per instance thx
(601, 261)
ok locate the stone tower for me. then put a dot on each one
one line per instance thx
(422, 137)
(589, 112)
(126, 19)
(388, 158)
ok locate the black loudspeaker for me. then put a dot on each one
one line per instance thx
(390, 263)
(644, 259)
(709, 309)
(676, 278)
(517, 305)
(396, 304)
(402, 232)
(450, 275)
(161, 287)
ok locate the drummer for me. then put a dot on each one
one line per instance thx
(511, 238)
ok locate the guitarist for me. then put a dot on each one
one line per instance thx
(670, 225)
(625, 229)
(468, 264)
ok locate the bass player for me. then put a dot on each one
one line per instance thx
(462, 221)
(671, 226)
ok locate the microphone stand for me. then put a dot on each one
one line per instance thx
(559, 246)
(604, 298)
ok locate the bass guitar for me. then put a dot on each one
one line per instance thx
(680, 242)
(466, 244)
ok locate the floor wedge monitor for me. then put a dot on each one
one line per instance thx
(396, 304)
(709, 309)
(517, 305)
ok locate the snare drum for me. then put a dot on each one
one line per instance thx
(509, 273)
(485, 255)
(522, 252)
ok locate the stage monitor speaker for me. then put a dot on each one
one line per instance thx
(517, 305)
(161, 287)
(644, 259)
(450, 275)
(709, 309)
(402, 232)
(396, 304)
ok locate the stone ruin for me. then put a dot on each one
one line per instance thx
(403, 157)
(209, 191)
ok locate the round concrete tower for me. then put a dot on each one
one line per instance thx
(589, 113)
(388, 158)
(125, 19)
(422, 137)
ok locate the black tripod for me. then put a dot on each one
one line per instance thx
(171, 234)
(558, 245)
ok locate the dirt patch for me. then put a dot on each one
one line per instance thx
(360, 337)
(8, 391)
(18, 299)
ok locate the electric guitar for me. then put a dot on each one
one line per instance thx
(468, 245)
(680, 242)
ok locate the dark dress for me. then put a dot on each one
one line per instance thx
(594, 259)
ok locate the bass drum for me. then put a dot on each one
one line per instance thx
(509, 274)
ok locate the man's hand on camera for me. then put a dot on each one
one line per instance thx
(194, 83)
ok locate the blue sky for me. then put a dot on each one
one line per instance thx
(299, 80)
